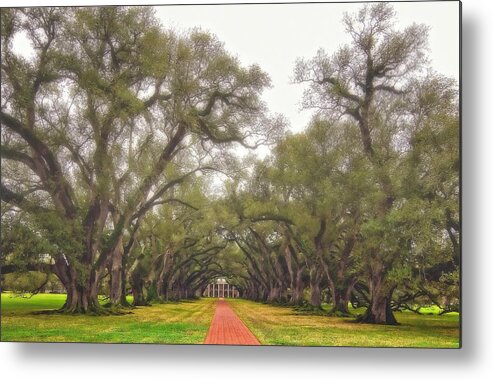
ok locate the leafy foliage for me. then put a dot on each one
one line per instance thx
(119, 169)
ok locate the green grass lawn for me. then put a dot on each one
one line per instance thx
(188, 322)
(180, 323)
(277, 325)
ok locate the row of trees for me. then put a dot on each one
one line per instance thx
(115, 129)
(99, 127)
(370, 191)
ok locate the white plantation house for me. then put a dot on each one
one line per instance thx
(222, 289)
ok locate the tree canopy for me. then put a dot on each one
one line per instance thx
(116, 132)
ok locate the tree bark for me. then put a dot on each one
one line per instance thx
(138, 293)
(80, 299)
(297, 295)
(118, 283)
(340, 300)
(379, 311)
(341, 295)
(274, 294)
(315, 293)
(82, 293)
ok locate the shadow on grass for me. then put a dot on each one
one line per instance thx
(108, 310)
(103, 311)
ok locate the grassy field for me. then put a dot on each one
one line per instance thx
(180, 323)
(275, 325)
(188, 322)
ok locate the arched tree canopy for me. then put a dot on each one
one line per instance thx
(119, 170)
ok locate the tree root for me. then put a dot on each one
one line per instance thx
(100, 311)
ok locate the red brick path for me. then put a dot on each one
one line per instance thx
(227, 328)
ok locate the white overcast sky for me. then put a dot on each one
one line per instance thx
(275, 35)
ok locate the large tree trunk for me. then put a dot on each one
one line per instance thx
(82, 296)
(137, 283)
(262, 294)
(152, 292)
(118, 283)
(138, 293)
(297, 295)
(123, 297)
(379, 311)
(116, 278)
(340, 301)
(341, 295)
(138, 278)
(274, 294)
(252, 292)
(315, 293)
(80, 299)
